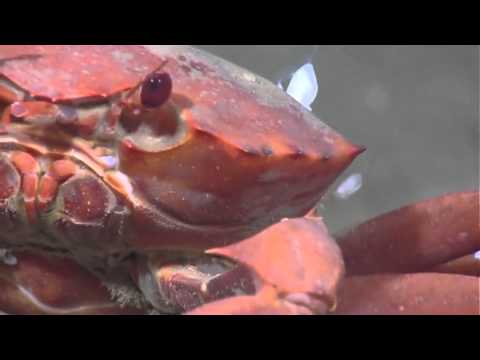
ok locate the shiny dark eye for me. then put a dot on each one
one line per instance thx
(156, 89)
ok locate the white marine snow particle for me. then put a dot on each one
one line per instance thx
(349, 187)
(7, 258)
(304, 86)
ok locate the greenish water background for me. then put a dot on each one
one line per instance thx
(414, 107)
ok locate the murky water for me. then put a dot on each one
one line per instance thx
(414, 107)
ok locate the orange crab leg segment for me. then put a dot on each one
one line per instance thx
(28, 167)
(410, 294)
(59, 172)
(415, 238)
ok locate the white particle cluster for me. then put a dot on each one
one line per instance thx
(7, 258)
(303, 86)
(349, 187)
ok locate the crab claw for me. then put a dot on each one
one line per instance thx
(293, 267)
(297, 258)
(34, 284)
(415, 238)
(265, 302)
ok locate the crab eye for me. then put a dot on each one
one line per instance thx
(156, 90)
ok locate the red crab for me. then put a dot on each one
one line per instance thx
(161, 179)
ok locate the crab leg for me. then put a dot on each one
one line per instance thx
(432, 242)
(294, 267)
(415, 238)
(410, 294)
(34, 284)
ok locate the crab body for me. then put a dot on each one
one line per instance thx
(93, 169)
(161, 179)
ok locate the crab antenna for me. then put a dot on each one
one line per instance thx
(135, 88)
